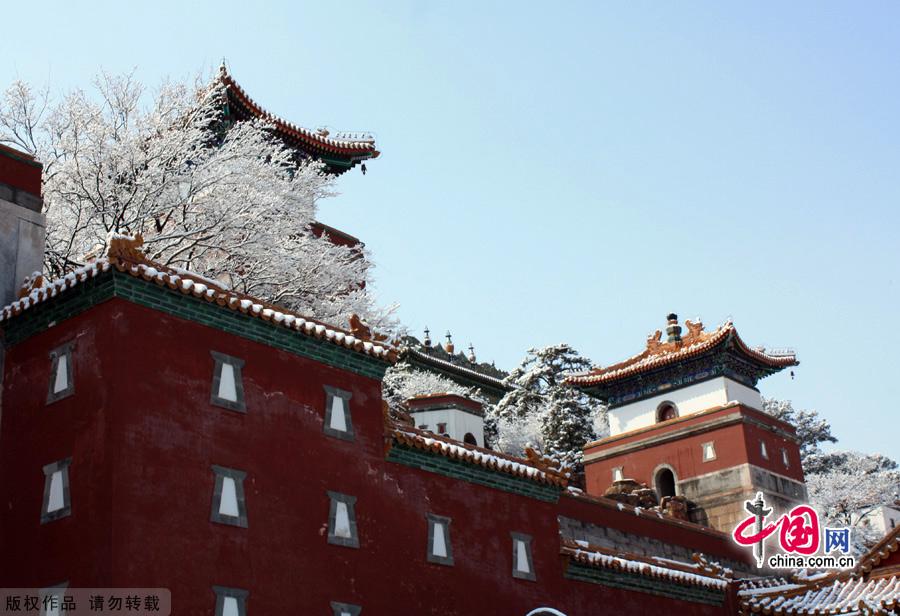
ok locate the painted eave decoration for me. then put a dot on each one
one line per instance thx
(125, 255)
(697, 342)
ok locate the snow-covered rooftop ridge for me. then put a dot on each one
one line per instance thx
(658, 353)
(125, 256)
(344, 140)
(454, 367)
(838, 596)
(674, 571)
(450, 448)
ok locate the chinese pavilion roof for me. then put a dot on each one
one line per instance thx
(339, 152)
(721, 349)
(456, 367)
(872, 587)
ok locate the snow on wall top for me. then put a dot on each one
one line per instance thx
(124, 254)
(659, 354)
(352, 144)
(535, 470)
(699, 574)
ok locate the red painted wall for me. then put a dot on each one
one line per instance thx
(20, 171)
(143, 434)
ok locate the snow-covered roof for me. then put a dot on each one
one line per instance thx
(124, 255)
(697, 574)
(855, 595)
(697, 341)
(479, 456)
(864, 590)
(356, 145)
(455, 368)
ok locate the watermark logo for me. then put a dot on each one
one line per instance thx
(799, 537)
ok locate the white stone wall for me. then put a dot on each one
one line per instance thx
(688, 400)
(458, 423)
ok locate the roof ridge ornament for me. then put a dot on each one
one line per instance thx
(123, 247)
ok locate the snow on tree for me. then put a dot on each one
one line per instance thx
(812, 430)
(402, 382)
(542, 412)
(845, 486)
(227, 202)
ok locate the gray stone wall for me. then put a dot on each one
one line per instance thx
(21, 246)
(614, 539)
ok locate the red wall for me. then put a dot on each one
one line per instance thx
(143, 435)
(735, 444)
(20, 171)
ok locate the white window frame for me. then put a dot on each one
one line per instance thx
(708, 446)
(63, 351)
(618, 473)
(340, 609)
(332, 394)
(61, 467)
(221, 472)
(237, 366)
(444, 523)
(350, 502)
(763, 450)
(517, 539)
(785, 458)
(224, 592)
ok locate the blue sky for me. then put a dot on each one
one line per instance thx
(574, 172)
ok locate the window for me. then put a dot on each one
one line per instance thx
(62, 377)
(342, 520)
(230, 601)
(228, 386)
(665, 482)
(54, 602)
(763, 450)
(470, 439)
(440, 550)
(337, 413)
(666, 411)
(423, 427)
(442, 428)
(785, 458)
(523, 567)
(618, 474)
(709, 451)
(57, 499)
(228, 504)
(345, 609)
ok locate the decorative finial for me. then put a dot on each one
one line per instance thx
(471, 357)
(673, 329)
(427, 340)
(449, 346)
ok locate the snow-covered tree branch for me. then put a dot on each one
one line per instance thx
(229, 202)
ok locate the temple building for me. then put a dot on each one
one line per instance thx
(686, 419)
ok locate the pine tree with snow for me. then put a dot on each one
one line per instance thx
(812, 430)
(228, 202)
(542, 412)
(402, 381)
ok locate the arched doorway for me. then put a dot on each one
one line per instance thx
(665, 482)
(545, 611)
(470, 439)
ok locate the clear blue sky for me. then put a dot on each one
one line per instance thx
(572, 172)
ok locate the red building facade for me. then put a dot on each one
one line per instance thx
(148, 403)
